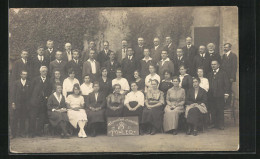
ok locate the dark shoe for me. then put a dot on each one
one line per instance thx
(148, 131)
(174, 132)
(188, 132)
(221, 128)
(141, 132)
(153, 131)
(93, 133)
(195, 132)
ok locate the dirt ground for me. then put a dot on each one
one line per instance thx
(209, 140)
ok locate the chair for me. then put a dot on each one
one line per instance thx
(229, 109)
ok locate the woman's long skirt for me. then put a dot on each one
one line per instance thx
(153, 116)
(194, 116)
(56, 117)
(75, 116)
(171, 118)
(138, 112)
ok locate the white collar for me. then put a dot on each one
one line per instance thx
(140, 45)
(68, 52)
(58, 98)
(167, 59)
(39, 57)
(148, 59)
(184, 75)
(165, 80)
(44, 78)
(58, 61)
(169, 45)
(23, 81)
(75, 60)
(23, 60)
(50, 49)
(217, 70)
(180, 57)
(188, 46)
(228, 52)
(211, 52)
(91, 61)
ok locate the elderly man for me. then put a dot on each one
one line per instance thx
(170, 48)
(67, 54)
(59, 65)
(49, 53)
(103, 55)
(189, 52)
(202, 60)
(211, 51)
(156, 50)
(121, 53)
(41, 90)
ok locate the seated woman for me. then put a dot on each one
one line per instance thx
(115, 103)
(139, 81)
(105, 83)
(153, 111)
(151, 77)
(195, 106)
(175, 99)
(76, 112)
(95, 107)
(134, 102)
(185, 79)
(86, 87)
(56, 79)
(57, 112)
(204, 82)
(166, 83)
(122, 81)
(69, 82)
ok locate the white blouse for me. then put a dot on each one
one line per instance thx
(86, 89)
(149, 78)
(137, 96)
(123, 83)
(204, 83)
(68, 86)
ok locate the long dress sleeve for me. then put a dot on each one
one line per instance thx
(140, 98)
(181, 101)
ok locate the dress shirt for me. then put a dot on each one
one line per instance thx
(155, 47)
(227, 54)
(146, 60)
(188, 46)
(58, 98)
(169, 45)
(130, 57)
(76, 61)
(40, 58)
(43, 79)
(69, 55)
(202, 54)
(196, 93)
(23, 81)
(96, 96)
(163, 61)
(59, 61)
(123, 53)
(50, 50)
(93, 66)
(179, 58)
(24, 60)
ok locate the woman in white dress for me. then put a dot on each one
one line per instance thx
(204, 83)
(121, 81)
(68, 83)
(75, 110)
(150, 77)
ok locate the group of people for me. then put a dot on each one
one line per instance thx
(156, 84)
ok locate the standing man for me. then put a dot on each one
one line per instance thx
(20, 104)
(189, 53)
(121, 54)
(49, 53)
(85, 54)
(170, 48)
(38, 61)
(103, 55)
(59, 65)
(202, 60)
(139, 50)
(218, 93)
(76, 65)
(41, 90)
(145, 63)
(21, 64)
(129, 65)
(179, 60)
(156, 50)
(165, 64)
(229, 64)
(112, 65)
(91, 67)
(212, 53)
(67, 54)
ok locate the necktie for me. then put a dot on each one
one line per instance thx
(43, 79)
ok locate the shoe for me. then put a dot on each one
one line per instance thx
(80, 134)
(153, 131)
(148, 131)
(174, 132)
(67, 136)
(195, 132)
(221, 128)
(188, 132)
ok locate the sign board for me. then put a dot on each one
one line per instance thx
(122, 126)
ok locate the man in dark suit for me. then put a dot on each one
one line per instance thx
(85, 54)
(218, 93)
(139, 50)
(111, 66)
(38, 61)
(59, 65)
(202, 60)
(95, 108)
(189, 53)
(212, 53)
(41, 90)
(170, 48)
(49, 53)
(122, 53)
(179, 60)
(156, 50)
(129, 65)
(76, 65)
(21, 64)
(103, 55)
(229, 64)
(20, 103)
(67, 54)
(91, 67)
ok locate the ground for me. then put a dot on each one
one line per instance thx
(209, 140)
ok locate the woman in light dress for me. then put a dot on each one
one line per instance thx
(68, 83)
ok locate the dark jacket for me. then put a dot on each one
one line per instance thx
(203, 62)
(187, 83)
(54, 65)
(36, 65)
(18, 66)
(77, 67)
(229, 64)
(214, 56)
(111, 68)
(21, 95)
(92, 102)
(50, 56)
(156, 54)
(189, 54)
(128, 68)
(178, 63)
(201, 96)
(102, 57)
(171, 51)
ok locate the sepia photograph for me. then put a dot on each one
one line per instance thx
(123, 79)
